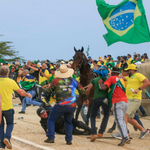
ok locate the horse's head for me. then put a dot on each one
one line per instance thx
(78, 59)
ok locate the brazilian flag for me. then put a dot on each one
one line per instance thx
(2, 61)
(120, 83)
(124, 22)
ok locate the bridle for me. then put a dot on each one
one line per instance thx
(82, 61)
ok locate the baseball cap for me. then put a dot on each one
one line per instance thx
(34, 62)
(40, 111)
(53, 68)
(131, 67)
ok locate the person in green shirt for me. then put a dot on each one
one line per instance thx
(99, 99)
(110, 63)
(52, 76)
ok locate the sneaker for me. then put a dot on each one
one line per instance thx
(124, 141)
(22, 112)
(68, 142)
(93, 138)
(144, 115)
(7, 143)
(117, 136)
(110, 130)
(49, 141)
(144, 133)
(100, 135)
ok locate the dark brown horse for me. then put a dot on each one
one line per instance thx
(80, 63)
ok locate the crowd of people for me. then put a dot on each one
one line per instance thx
(117, 87)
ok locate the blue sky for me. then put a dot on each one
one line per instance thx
(50, 29)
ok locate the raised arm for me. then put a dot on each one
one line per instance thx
(35, 69)
(43, 74)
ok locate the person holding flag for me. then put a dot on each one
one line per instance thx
(28, 83)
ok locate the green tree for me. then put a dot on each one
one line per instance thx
(8, 54)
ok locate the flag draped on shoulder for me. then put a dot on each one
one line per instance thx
(119, 83)
(124, 22)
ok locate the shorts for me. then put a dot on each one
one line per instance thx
(133, 106)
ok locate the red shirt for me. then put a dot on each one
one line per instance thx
(118, 94)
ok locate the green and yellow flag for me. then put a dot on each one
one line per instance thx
(87, 51)
(124, 22)
(2, 61)
(120, 83)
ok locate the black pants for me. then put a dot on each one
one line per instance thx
(95, 106)
(75, 131)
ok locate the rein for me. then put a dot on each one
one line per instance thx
(82, 75)
(86, 86)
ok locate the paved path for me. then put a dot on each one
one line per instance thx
(29, 131)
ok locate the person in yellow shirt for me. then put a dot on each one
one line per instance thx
(105, 60)
(129, 59)
(91, 63)
(136, 82)
(7, 86)
(43, 74)
(142, 58)
(51, 65)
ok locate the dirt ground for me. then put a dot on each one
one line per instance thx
(29, 129)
